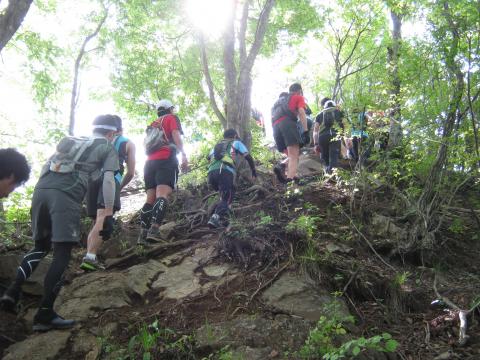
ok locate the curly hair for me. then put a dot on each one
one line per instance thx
(14, 163)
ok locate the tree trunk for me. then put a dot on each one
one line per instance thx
(429, 202)
(395, 136)
(11, 19)
(238, 68)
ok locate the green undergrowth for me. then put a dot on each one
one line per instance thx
(330, 340)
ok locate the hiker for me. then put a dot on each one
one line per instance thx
(221, 173)
(162, 143)
(286, 134)
(14, 171)
(360, 149)
(326, 136)
(95, 202)
(56, 210)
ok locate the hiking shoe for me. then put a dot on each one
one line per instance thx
(142, 237)
(214, 221)
(154, 235)
(8, 303)
(91, 265)
(279, 171)
(47, 319)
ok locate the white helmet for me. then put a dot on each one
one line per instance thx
(164, 104)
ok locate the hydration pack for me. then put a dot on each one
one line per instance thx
(155, 138)
(329, 116)
(68, 152)
(280, 108)
(221, 152)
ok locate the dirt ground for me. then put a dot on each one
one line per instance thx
(385, 292)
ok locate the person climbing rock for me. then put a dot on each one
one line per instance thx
(221, 174)
(287, 138)
(95, 201)
(326, 134)
(14, 171)
(162, 143)
(56, 210)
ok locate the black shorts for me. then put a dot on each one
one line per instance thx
(160, 172)
(286, 134)
(95, 197)
(55, 217)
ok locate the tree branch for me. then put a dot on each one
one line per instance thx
(208, 79)
(259, 35)
(75, 86)
(11, 19)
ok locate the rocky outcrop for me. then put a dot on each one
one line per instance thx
(296, 295)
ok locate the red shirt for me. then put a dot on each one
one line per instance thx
(169, 123)
(296, 102)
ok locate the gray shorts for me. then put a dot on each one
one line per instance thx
(55, 217)
(286, 134)
(95, 197)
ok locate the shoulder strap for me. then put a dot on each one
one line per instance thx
(82, 149)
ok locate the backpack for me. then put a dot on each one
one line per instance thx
(329, 116)
(221, 152)
(280, 108)
(68, 152)
(155, 138)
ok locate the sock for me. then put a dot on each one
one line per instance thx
(159, 210)
(146, 216)
(91, 256)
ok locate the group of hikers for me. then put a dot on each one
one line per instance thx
(100, 166)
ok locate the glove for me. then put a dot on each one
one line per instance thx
(107, 230)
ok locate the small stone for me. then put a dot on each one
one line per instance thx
(273, 354)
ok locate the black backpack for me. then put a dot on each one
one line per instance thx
(221, 152)
(329, 116)
(280, 108)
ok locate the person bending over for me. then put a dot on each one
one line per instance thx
(55, 213)
(221, 174)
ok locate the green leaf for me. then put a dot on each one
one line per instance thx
(356, 350)
(391, 345)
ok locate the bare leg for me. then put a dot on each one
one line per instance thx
(94, 240)
(293, 154)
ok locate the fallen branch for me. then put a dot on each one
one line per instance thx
(462, 314)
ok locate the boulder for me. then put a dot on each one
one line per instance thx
(88, 294)
(297, 295)
(309, 165)
(385, 227)
(42, 346)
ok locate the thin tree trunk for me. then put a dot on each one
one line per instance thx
(429, 201)
(78, 63)
(395, 137)
(11, 19)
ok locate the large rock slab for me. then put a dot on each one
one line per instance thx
(101, 291)
(39, 347)
(254, 332)
(296, 295)
(8, 271)
(188, 279)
